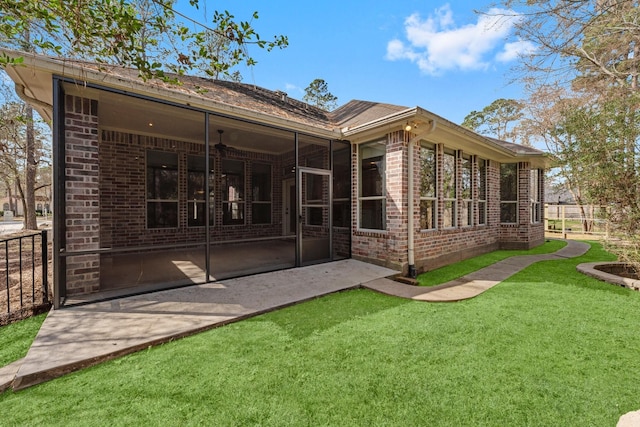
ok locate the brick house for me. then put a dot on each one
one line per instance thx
(160, 185)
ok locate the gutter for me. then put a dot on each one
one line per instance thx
(41, 106)
(410, 198)
(95, 77)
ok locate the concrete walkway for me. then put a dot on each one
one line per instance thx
(477, 282)
(76, 337)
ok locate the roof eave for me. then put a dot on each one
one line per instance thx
(58, 67)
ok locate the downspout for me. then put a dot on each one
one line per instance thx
(410, 222)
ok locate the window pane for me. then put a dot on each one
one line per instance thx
(162, 214)
(162, 189)
(427, 214)
(508, 212)
(314, 216)
(232, 213)
(372, 214)
(534, 180)
(482, 179)
(342, 174)
(232, 180)
(449, 175)
(428, 169)
(466, 177)
(509, 182)
(195, 178)
(261, 213)
(196, 213)
(372, 169)
(261, 182)
(341, 213)
(482, 212)
(449, 214)
(314, 186)
(162, 175)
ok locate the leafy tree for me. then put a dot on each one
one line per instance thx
(592, 43)
(588, 52)
(500, 119)
(317, 93)
(144, 34)
(23, 152)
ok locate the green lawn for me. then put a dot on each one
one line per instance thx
(16, 338)
(453, 271)
(548, 347)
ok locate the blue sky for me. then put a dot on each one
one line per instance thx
(439, 55)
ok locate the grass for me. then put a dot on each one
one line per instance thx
(459, 269)
(547, 347)
(16, 338)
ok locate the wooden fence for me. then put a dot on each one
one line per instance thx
(576, 219)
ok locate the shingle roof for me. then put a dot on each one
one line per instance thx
(355, 113)
(516, 148)
(255, 99)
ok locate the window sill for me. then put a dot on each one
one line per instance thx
(371, 233)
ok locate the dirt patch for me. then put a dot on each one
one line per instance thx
(22, 288)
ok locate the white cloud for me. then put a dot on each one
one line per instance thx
(436, 44)
(291, 89)
(515, 50)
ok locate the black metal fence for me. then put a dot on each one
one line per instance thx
(24, 276)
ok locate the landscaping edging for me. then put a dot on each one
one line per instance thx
(592, 269)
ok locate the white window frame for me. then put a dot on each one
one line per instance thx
(467, 202)
(481, 181)
(433, 199)
(535, 187)
(262, 202)
(383, 196)
(510, 202)
(452, 202)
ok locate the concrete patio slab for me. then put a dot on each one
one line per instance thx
(76, 337)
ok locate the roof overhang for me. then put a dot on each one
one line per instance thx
(452, 135)
(33, 78)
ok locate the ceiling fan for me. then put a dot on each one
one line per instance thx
(222, 148)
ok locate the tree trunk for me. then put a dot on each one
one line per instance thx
(30, 222)
(10, 194)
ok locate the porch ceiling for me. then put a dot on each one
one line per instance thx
(145, 117)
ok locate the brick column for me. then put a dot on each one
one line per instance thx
(82, 203)
(397, 188)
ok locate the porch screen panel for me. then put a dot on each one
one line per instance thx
(342, 187)
(372, 194)
(162, 189)
(428, 187)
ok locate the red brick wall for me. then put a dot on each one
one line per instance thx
(82, 208)
(435, 248)
(123, 188)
